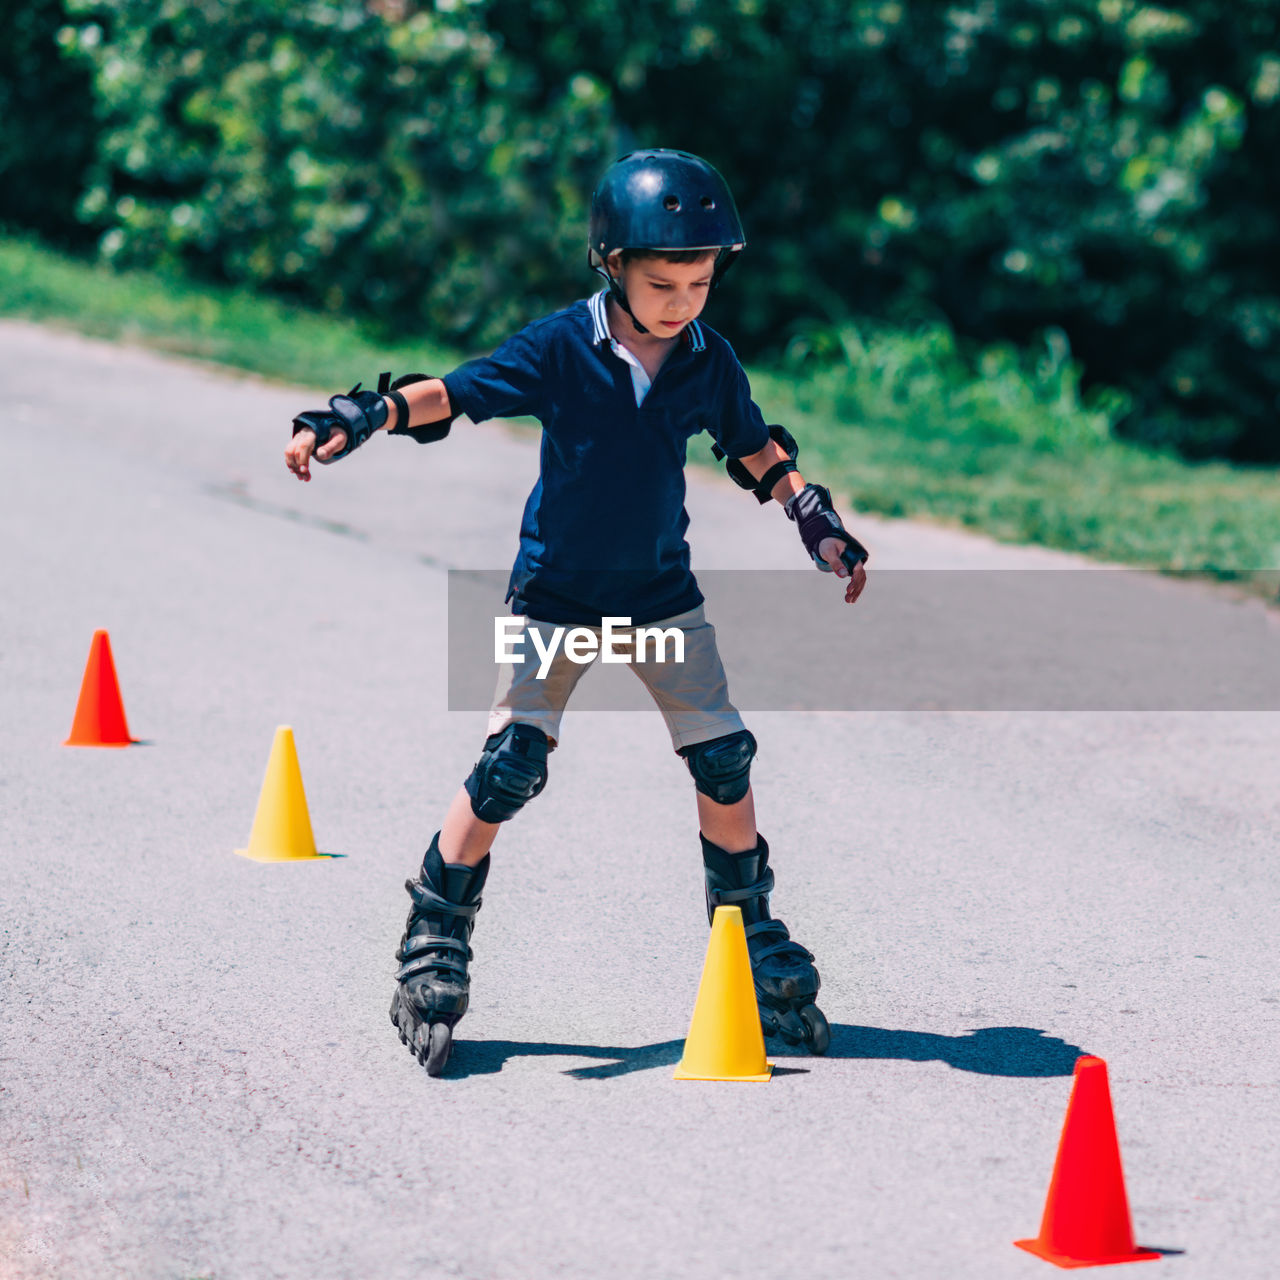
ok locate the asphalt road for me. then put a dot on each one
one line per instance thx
(198, 1077)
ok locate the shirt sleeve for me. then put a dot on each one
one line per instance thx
(507, 384)
(739, 427)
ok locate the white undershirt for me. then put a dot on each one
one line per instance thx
(640, 380)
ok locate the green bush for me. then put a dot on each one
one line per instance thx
(1099, 168)
(46, 124)
(412, 170)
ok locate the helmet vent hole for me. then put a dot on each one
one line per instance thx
(708, 202)
(671, 203)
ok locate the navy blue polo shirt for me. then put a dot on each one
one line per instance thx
(603, 532)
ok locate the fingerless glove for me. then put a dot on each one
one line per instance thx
(814, 516)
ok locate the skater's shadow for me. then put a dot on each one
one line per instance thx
(988, 1051)
(484, 1057)
(991, 1051)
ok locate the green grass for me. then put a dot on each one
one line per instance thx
(907, 429)
(897, 420)
(227, 326)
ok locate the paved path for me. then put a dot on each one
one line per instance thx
(198, 1075)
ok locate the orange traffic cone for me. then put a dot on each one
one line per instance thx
(1086, 1219)
(99, 718)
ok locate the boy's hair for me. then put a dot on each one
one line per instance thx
(681, 257)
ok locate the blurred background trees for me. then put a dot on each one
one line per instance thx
(1097, 171)
(46, 124)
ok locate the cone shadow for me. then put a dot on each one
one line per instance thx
(318, 856)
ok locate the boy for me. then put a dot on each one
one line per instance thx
(619, 382)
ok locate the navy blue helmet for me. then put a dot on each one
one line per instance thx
(662, 200)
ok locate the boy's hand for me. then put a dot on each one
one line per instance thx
(833, 548)
(302, 447)
(332, 433)
(829, 549)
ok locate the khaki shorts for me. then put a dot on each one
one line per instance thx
(692, 695)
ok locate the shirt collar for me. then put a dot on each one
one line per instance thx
(691, 333)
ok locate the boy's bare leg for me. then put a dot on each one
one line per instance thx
(464, 838)
(731, 826)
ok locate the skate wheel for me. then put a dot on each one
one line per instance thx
(439, 1047)
(818, 1037)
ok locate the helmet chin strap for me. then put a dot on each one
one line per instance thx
(617, 293)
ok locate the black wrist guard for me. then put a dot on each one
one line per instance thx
(763, 488)
(359, 414)
(816, 519)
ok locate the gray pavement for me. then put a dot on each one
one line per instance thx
(198, 1077)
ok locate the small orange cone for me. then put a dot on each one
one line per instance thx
(99, 718)
(282, 826)
(725, 1041)
(1086, 1215)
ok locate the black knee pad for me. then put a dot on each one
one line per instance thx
(511, 770)
(721, 768)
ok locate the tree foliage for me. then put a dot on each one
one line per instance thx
(1100, 167)
(46, 138)
(413, 169)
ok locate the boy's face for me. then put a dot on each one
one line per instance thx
(665, 296)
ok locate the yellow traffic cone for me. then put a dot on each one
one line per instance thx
(725, 1041)
(282, 826)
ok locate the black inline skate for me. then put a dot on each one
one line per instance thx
(434, 988)
(785, 980)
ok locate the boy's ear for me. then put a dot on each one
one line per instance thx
(614, 263)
